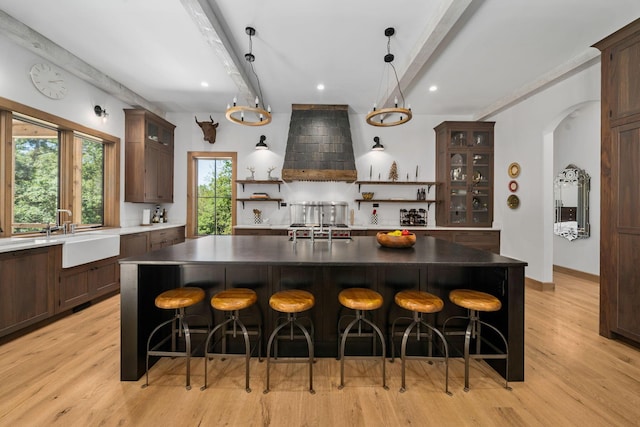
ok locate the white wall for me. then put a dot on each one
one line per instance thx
(410, 145)
(577, 141)
(77, 106)
(524, 134)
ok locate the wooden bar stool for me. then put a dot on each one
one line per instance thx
(175, 299)
(360, 300)
(231, 301)
(475, 302)
(292, 302)
(419, 302)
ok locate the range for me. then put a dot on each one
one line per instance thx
(319, 220)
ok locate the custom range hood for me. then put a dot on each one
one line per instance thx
(319, 146)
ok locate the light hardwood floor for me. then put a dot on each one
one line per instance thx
(67, 374)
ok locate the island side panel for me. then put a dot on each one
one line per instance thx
(139, 286)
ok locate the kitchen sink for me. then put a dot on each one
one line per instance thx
(86, 247)
(77, 249)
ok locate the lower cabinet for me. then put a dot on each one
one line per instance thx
(259, 232)
(134, 244)
(26, 288)
(486, 240)
(159, 239)
(85, 282)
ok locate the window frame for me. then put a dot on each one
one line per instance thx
(192, 183)
(68, 131)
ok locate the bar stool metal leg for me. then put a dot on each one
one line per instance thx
(417, 321)
(473, 332)
(182, 328)
(291, 321)
(234, 320)
(359, 319)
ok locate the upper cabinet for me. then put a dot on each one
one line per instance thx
(464, 167)
(622, 60)
(148, 158)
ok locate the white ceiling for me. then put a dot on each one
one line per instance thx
(482, 54)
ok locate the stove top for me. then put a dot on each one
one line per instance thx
(300, 225)
(327, 232)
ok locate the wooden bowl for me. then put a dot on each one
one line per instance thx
(367, 195)
(388, 241)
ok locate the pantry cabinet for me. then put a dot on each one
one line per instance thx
(464, 169)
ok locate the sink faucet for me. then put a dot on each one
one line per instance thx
(59, 223)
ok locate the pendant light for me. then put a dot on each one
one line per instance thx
(241, 114)
(377, 116)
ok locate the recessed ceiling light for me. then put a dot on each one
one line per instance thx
(204, 84)
(433, 88)
(320, 86)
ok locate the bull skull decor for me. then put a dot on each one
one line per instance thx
(208, 129)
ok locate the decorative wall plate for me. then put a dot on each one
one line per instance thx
(513, 201)
(514, 170)
(513, 186)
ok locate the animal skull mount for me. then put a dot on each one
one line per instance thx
(208, 129)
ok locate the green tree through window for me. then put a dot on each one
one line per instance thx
(35, 180)
(214, 196)
(92, 194)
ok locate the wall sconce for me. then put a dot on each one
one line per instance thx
(261, 145)
(377, 146)
(101, 112)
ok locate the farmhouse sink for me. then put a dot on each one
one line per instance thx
(86, 247)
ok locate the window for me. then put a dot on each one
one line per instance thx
(52, 164)
(212, 193)
(91, 204)
(35, 175)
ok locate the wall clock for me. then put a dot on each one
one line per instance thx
(48, 80)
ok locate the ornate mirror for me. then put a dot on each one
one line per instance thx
(571, 195)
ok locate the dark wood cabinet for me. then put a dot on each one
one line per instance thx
(619, 197)
(134, 244)
(464, 169)
(148, 158)
(259, 232)
(85, 282)
(159, 239)
(26, 288)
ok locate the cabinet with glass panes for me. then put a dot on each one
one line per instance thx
(464, 166)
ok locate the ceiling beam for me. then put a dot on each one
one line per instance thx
(428, 43)
(576, 64)
(215, 35)
(35, 42)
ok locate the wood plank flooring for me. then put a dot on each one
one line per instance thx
(67, 374)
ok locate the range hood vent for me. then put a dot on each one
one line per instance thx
(319, 146)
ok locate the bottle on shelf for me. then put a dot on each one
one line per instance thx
(156, 215)
(165, 218)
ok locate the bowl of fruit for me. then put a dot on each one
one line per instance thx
(396, 239)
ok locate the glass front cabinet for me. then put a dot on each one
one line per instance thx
(464, 166)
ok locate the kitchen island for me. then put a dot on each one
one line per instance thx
(271, 263)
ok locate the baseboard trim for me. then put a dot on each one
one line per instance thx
(539, 286)
(577, 273)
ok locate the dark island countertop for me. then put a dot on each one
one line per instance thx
(268, 264)
(363, 250)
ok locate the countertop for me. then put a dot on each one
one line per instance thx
(372, 227)
(266, 250)
(10, 244)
